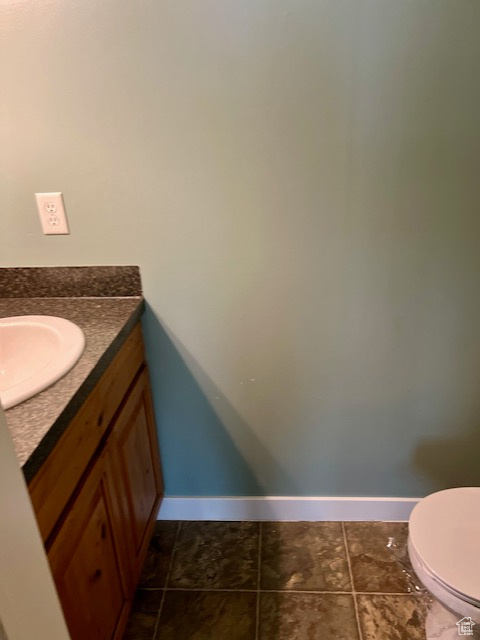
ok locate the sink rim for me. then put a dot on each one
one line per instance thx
(70, 346)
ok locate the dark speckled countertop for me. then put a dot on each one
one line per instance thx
(37, 424)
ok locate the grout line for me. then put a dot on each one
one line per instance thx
(157, 621)
(299, 591)
(259, 564)
(388, 593)
(208, 589)
(170, 563)
(354, 594)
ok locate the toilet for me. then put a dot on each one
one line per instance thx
(444, 549)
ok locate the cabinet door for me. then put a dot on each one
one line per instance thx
(135, 465)
(84, 562)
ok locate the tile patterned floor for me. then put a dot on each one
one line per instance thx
(278, 581)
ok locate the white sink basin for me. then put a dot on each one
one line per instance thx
(35, 352)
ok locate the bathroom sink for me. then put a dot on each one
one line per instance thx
(35, 352)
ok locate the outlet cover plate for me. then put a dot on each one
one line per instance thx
(51, 210)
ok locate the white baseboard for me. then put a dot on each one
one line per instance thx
(275, 508)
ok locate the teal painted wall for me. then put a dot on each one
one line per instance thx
(299, 182)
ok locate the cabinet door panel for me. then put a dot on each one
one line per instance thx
(139, 477)
(85, 566)
(135, 459)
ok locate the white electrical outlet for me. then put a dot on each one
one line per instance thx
(52, 213)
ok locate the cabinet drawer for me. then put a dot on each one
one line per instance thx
(78, 444)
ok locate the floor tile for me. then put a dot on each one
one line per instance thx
(155, 569)
(307, 616)
(216, 555)
(143, 617)
(203, 615)
(304, 556)
(389, 617)
(165, 526)
(379, 557)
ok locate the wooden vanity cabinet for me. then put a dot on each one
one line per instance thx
(97, 536)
